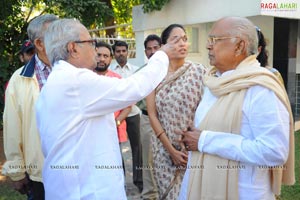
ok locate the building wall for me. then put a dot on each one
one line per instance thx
(202, 14)
(265, 23)
(193, 12)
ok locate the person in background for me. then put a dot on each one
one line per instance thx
(152, 44)
(172, 106)
(76, 124)
(22, 147)
(26, 52)
(262, 56)
(243, 143)
(104, 58)
(125, 69)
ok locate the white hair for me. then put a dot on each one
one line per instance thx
(36, 28)
(57, 37)
(245, 29)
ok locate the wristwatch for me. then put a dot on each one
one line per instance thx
(118, 122)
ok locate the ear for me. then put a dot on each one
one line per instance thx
(72, 49)
(240, 48)
(39, 45)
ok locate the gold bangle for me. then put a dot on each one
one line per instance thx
(158, 135)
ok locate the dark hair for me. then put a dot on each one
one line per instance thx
(166, 33)
(262, 57)
(104, 44)
(119, 43)
(151, 38)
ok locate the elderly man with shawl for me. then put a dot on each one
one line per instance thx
(243, 143)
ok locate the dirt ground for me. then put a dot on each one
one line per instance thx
(3, 179)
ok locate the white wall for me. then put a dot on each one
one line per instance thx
(192, 12)
(265, 23)
(202, 13)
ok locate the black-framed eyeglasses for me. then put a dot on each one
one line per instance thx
(212, 40)
(93, 42)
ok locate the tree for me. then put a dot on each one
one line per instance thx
(16, 14)
(153, 5)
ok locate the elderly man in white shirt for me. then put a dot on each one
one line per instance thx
(243, 143)
(82, 161)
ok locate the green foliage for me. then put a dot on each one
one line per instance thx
(89, 12)
(7, 193)
(153, 5)
(16, 14)
(123, 15)
(12, 33)
(293, 192)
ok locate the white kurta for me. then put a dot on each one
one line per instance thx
(78, 131)
(126, 71)
(263, 141)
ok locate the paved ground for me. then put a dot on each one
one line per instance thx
(131, 189)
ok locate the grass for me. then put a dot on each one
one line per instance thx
(287, 192)
(7, 193)
(293, 192)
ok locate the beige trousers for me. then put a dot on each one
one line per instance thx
(149, 185)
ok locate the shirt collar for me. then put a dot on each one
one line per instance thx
(41, 65)
(126, 66)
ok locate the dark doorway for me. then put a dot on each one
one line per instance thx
(284, 58)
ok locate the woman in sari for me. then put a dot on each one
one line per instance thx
(171, 107)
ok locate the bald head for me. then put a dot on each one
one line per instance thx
(243, 28)
(230, 41)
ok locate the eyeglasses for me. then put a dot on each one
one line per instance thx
(93, 42)
(212, 40)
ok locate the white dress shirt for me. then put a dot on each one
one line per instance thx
(78, 131)
(126, 71)
(262, 142)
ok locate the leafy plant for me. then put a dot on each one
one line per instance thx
(16, 14)
(153, 5)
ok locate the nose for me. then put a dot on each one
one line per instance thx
(209, 46)
(153, 50)
(101, 58)
(181, 41)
